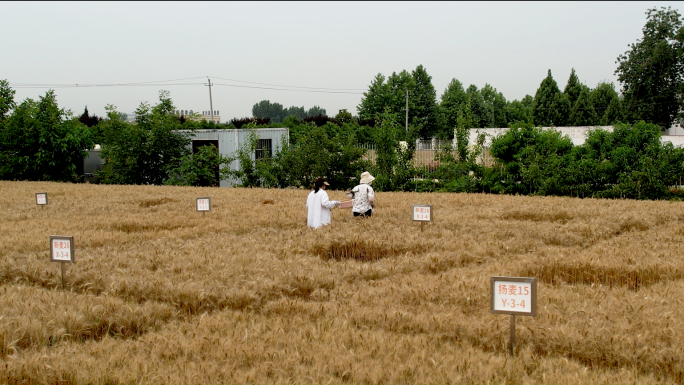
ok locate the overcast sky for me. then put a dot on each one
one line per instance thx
(332, 47)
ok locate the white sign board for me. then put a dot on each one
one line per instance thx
(61, 248)
(41, 198)
(204, 204)
(514, 295)
(422, 213)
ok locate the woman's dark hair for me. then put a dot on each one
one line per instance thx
(318, 184)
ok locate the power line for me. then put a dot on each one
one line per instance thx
(280, 85)
(291, 90)
(64, 85)
(158, 83)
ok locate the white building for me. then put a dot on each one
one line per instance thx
(578, 135)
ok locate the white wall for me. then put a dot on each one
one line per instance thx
(577, 134)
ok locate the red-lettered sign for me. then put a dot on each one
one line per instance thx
(422, 213)
(204, 204)
(62, 248)
(514, 295)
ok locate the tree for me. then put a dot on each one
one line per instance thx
(652, 71)
(452, 102)
(496, 103)
(266, 109)
(393, 165)
(89, 120)
(298, 112)
(601, 97)
(316, 111)
(550, 106)
(144, 153)
(583, 113)
(375, 100)
(343, 117)
(6, 98)
(398, 85)
(464, 122)
(483, 114)
(519, 110)
(424, 101)
(573, 88)
(41, 141)
(615, 112)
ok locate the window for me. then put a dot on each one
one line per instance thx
(263, 149)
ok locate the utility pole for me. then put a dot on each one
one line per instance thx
(407, 110)
(211, 104)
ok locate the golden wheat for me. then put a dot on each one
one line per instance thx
(248, 294)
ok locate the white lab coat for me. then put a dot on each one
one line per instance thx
(318, 206)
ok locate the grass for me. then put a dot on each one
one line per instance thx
(248, 294)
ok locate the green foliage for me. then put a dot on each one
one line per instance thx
(583, 113)
(343, 117)
(530, 160)
(145, 152)
(329, 151)
(423, 113)
(519, 110)
(652, 71)
(573, 88)
(6, 98)
(393, 168)
(550, 106)
(464, 122)
(315, 111)
(482, 113)
(422, 101)
(496, 103)
(452, 103)
(602, 97)
(40, 141)
(277, 113)
(202, 168)
(375, 100)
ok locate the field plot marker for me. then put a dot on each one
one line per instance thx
(203, 204)
(422, 214)
(41, 199)
(62, 251)
(513, 295)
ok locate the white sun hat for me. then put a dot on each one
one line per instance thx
(366, 177)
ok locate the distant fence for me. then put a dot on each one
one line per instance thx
(424, 155)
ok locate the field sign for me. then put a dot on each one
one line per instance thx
(422, 213)
(513, 295)
(62, 250)
(204, 204)
(41, 199)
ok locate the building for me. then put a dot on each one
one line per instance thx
(229, 141)
(204, 115)
(577, 134)
(188, 114)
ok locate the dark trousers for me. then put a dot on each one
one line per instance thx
(366, 214)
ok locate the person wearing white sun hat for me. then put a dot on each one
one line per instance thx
(364, 196)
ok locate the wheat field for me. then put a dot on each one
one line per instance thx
(160, 294)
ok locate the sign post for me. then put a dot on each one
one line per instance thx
(62, 251)
(514, 296)
(422, 214)
(41, 199)
(203, 204)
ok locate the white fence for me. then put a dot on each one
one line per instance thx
(423, 157)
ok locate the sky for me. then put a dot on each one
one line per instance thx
(302, 54)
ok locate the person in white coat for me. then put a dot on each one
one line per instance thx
(318, 205)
